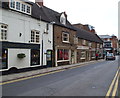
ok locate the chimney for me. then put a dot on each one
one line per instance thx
(39, 2)
(65, 14)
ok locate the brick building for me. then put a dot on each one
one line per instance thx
(88, 43)
(110, 43)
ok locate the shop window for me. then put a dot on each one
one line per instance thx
(93, 54)
(83, 54)
(4, 29)
(35, 57)
(65, 37)
(63, 54)
(3, 59)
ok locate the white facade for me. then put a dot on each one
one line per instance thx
(19, 31)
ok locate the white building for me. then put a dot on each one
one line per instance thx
(25, 33)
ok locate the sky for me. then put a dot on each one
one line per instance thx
(102, 14)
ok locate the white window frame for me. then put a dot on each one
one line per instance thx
(21, 5)
(84, 42)
(83, 52)
(34, 39)
(18, 6)
(5, 36)
(65, 37)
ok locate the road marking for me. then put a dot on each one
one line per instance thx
(112, 84)
(115, 89)
(30, 77)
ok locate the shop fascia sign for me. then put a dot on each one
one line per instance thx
(83, 47)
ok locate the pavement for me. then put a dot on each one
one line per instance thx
(41, 71)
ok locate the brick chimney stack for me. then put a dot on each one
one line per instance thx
(39, 2)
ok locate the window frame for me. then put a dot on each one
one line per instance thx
(63, 37)
(4, 37)
(35, 58)
(83, 52)
(34, 39)
(23, 7)
(63, 57)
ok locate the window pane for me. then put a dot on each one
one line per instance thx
(66, 54)
(3, 59)
(23, 7)
(60, 54)
(12, 4)
(4, 32)
(18, 5)
(28, 9)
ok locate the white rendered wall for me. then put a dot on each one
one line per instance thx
(21, 23)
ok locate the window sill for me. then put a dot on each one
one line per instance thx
(82, 58)
(63, 60)
(66, 42)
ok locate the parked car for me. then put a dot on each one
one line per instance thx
(110, 56)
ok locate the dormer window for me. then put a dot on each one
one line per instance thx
(20, 6)
(63, 19)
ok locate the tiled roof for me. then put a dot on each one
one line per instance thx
(83, 34)
(48, 15)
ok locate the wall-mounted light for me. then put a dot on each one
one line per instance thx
(20, 34)
(49, 41)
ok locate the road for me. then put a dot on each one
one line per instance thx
(90, 80)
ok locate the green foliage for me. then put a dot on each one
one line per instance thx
(21, 55)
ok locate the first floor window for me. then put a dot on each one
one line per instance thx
(35, 57)
(12, 4)
(23, 7)
(63, 54)
(28, 9)
(4, 29)
(65, 37)
(3, 59)
(35, 36)
(18, 5)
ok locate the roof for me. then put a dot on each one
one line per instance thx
(45, 14)
(83, 34)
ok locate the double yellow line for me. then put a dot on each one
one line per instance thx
(114, 86)
(30, 77)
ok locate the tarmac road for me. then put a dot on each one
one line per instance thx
(90, 80)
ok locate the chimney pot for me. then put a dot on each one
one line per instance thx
(40, 2)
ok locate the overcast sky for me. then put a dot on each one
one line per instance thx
(102, 14)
